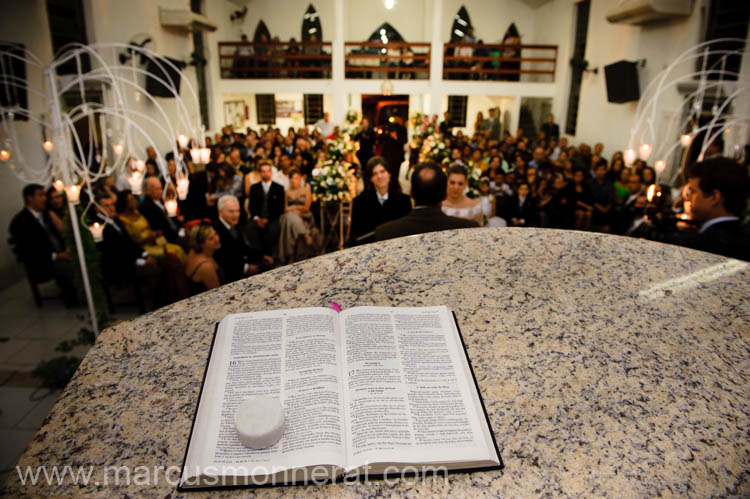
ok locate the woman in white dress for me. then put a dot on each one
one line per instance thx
(488, 200)
(456, 203)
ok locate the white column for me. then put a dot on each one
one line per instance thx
(515, 119)
(436, 58)
(337, 61)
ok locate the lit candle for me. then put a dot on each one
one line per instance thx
(73, 193)
(136, 183)
(140, 165)
(644, 151)
(171, 206)
(660, 165)
(205, 155)
(686, 139)
(182, 140)
(4, 155)
(195, 155)
(97, 231)
(47, 145)
(118, 148)
(629, 157)
(650, 192)
(58, 185)
(182, 188)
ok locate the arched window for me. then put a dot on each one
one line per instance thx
(311, 25)
(261, 30)
(460, 24)
(385, 33)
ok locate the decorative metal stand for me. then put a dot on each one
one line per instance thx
(334, 225)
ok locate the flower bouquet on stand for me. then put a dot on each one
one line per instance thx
(474, 174)
(434, 149)
(331, 183)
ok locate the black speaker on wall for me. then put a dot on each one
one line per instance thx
(622, 82)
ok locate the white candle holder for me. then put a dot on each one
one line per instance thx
(4, 155)
(136, 183)
(182, 188)
(205, 154)
(629, 157)
(97, 232)
(171, 207)
(182, 140)
(73, 193)
(644, 151)
(58, 185)
(47, 145)
(195, 155)
(118, 148)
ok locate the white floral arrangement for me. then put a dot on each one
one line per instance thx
(352, 116)
(421, 124)
(340, 147)
(331, 183)
(474, 174)
(434, 149)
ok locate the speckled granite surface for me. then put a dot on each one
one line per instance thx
(608, 365)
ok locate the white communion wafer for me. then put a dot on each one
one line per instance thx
(259, 422)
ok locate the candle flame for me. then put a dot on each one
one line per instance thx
(650, 192)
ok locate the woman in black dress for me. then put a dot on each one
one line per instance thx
(380, 202)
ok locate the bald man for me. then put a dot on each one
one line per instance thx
(153, 209)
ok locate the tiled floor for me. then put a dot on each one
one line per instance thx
(29, 335)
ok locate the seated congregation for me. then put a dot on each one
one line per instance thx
(252, 208)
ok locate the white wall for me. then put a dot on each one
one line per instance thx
(123, 22)
(658, 43)
(22, 22)
(411, 18)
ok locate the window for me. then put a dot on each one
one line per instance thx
(726, 19)
(311, 25)
(265, 105)
(13, 78)
(457, 110)
(578, 64)
(260, 30)
(313, 108)
(461, 23)
(67, 25)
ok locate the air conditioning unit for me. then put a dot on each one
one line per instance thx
(646, 11)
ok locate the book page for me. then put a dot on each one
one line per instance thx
(291, 355)
(408, 391)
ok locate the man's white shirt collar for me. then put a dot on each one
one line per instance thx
(226, 224)
(715, 221)
(382, 198)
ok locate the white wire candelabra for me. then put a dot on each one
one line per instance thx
(716, 81)
(118, 133)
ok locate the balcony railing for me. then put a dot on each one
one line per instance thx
(478, 61)
(275, 60)
(395, 60)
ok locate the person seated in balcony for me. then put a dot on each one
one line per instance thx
(511, 49)
(243, 59)
(263, 51)
(313, 49)
(292, 51)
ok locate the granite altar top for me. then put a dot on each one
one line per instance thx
(608, 366)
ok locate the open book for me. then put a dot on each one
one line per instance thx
(367, 392)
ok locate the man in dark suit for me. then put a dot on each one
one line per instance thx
(235, 257)
(377, 204)
(153, 209)
(520, 209)
(39, 246)
(428, 189)
(550, 128)
(717, 194)
(122, 260)
(266, 207)
(201, 198)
